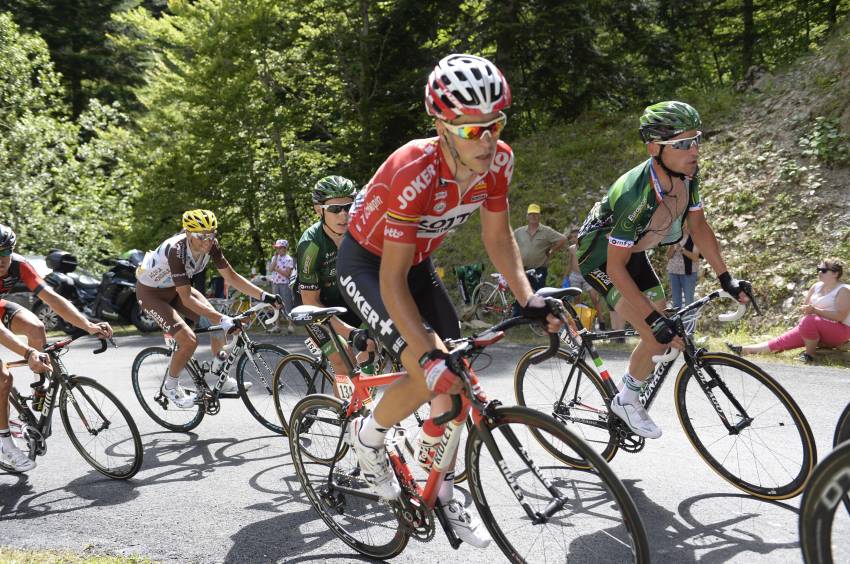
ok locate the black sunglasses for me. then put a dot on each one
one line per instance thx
(821, 269)
(337, 208)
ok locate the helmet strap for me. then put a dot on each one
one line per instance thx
(455, 155)
(670, 173)
(327, 226)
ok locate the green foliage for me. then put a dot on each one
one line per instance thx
(62, 184)
(826, 143)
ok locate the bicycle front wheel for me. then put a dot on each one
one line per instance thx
(769, 451)
(296, 377)
(254, 374)
(828, 485)
(100, 428)
(149, 371)
(340, 494)
(568, 390)
(514, 481)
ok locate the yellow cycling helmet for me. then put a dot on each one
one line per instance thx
(199, 220)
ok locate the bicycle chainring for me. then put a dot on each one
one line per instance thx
(212, 406)
(415, 516)
(34, 439)
(626, 439)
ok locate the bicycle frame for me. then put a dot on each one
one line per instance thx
(692, 358)
(37, 429)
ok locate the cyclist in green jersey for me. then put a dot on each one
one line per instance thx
(316, 259)
(645, 208)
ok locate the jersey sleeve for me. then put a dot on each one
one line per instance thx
(308, 267)
(694, 201)
(503, 170)
(217, 257)
(408, 193)
(30, 278)
(176, 264)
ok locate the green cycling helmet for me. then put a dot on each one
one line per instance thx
(664, 120)
(333, 187)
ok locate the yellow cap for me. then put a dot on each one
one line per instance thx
(533, 208)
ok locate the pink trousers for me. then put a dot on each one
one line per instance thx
(813, 328)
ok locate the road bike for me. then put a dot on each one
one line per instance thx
(535, 508)
(255, 364)
(827, 490)
(493, 302)
(299, 375)
(99, 426)
(742, 422)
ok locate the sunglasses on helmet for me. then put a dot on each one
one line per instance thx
(337, 208)
(475, 131)
(683, 144)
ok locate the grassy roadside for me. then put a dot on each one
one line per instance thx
(16, 556)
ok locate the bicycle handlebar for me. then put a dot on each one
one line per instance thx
(480, 341)
(672, 352)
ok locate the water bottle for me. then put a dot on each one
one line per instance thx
(38, 394)
(426, 444)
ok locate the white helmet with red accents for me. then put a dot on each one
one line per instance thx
(465, 85)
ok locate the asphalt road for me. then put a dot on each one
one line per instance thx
(227, 491)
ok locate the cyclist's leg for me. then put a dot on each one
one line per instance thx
(24, 322)
(159, 304)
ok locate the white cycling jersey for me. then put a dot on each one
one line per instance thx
(173, 264)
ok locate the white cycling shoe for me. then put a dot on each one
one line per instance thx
(636, 417)
(229, 386)
(179, 397)
(374, 464)
(15, 459)
(468, 528)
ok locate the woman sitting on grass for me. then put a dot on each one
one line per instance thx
(825, 322)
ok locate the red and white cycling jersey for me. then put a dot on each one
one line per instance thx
(413, 198)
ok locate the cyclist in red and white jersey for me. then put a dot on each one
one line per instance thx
(423, 190)
(17, 320)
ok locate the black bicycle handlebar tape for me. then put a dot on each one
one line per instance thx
(451, 413)
(102, 347)
(554, 343)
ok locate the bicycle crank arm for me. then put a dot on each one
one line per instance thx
(454, 540)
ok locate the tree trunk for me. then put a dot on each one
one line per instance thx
(749, 37)
(831, 14)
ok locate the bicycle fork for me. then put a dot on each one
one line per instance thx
(558, 501)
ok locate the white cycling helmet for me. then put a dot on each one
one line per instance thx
(465, 85)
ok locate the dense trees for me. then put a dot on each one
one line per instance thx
(241, 105)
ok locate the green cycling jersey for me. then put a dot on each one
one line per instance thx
(637, 213)
(316, 259)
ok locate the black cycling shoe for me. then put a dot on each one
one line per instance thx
(737, 349)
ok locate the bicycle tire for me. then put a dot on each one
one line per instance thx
(100, 428)
(295, 377)
(599, 521)
(842, 429)
(259, 398)
(584, 408)
(489, 305)
(828, 485)
(149, 368)
(770, 403)
(367, 525)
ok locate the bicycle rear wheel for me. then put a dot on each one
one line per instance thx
(828, 485)
(771, 452)
(256, 365)
(340, 495)
(297, 376)
(149, 371)
(596, 519)
(100, 428)
(579, 402)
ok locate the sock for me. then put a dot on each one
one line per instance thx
(371, 434)
(630, 393)
(6, 438)
(447, 490)
(170, 382)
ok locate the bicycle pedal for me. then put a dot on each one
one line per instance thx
(228, 395)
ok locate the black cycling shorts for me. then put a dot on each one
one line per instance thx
(641, 271)
(358, 274)
(319, 334)
(8, 310)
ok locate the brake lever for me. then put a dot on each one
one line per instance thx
(748, 290)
